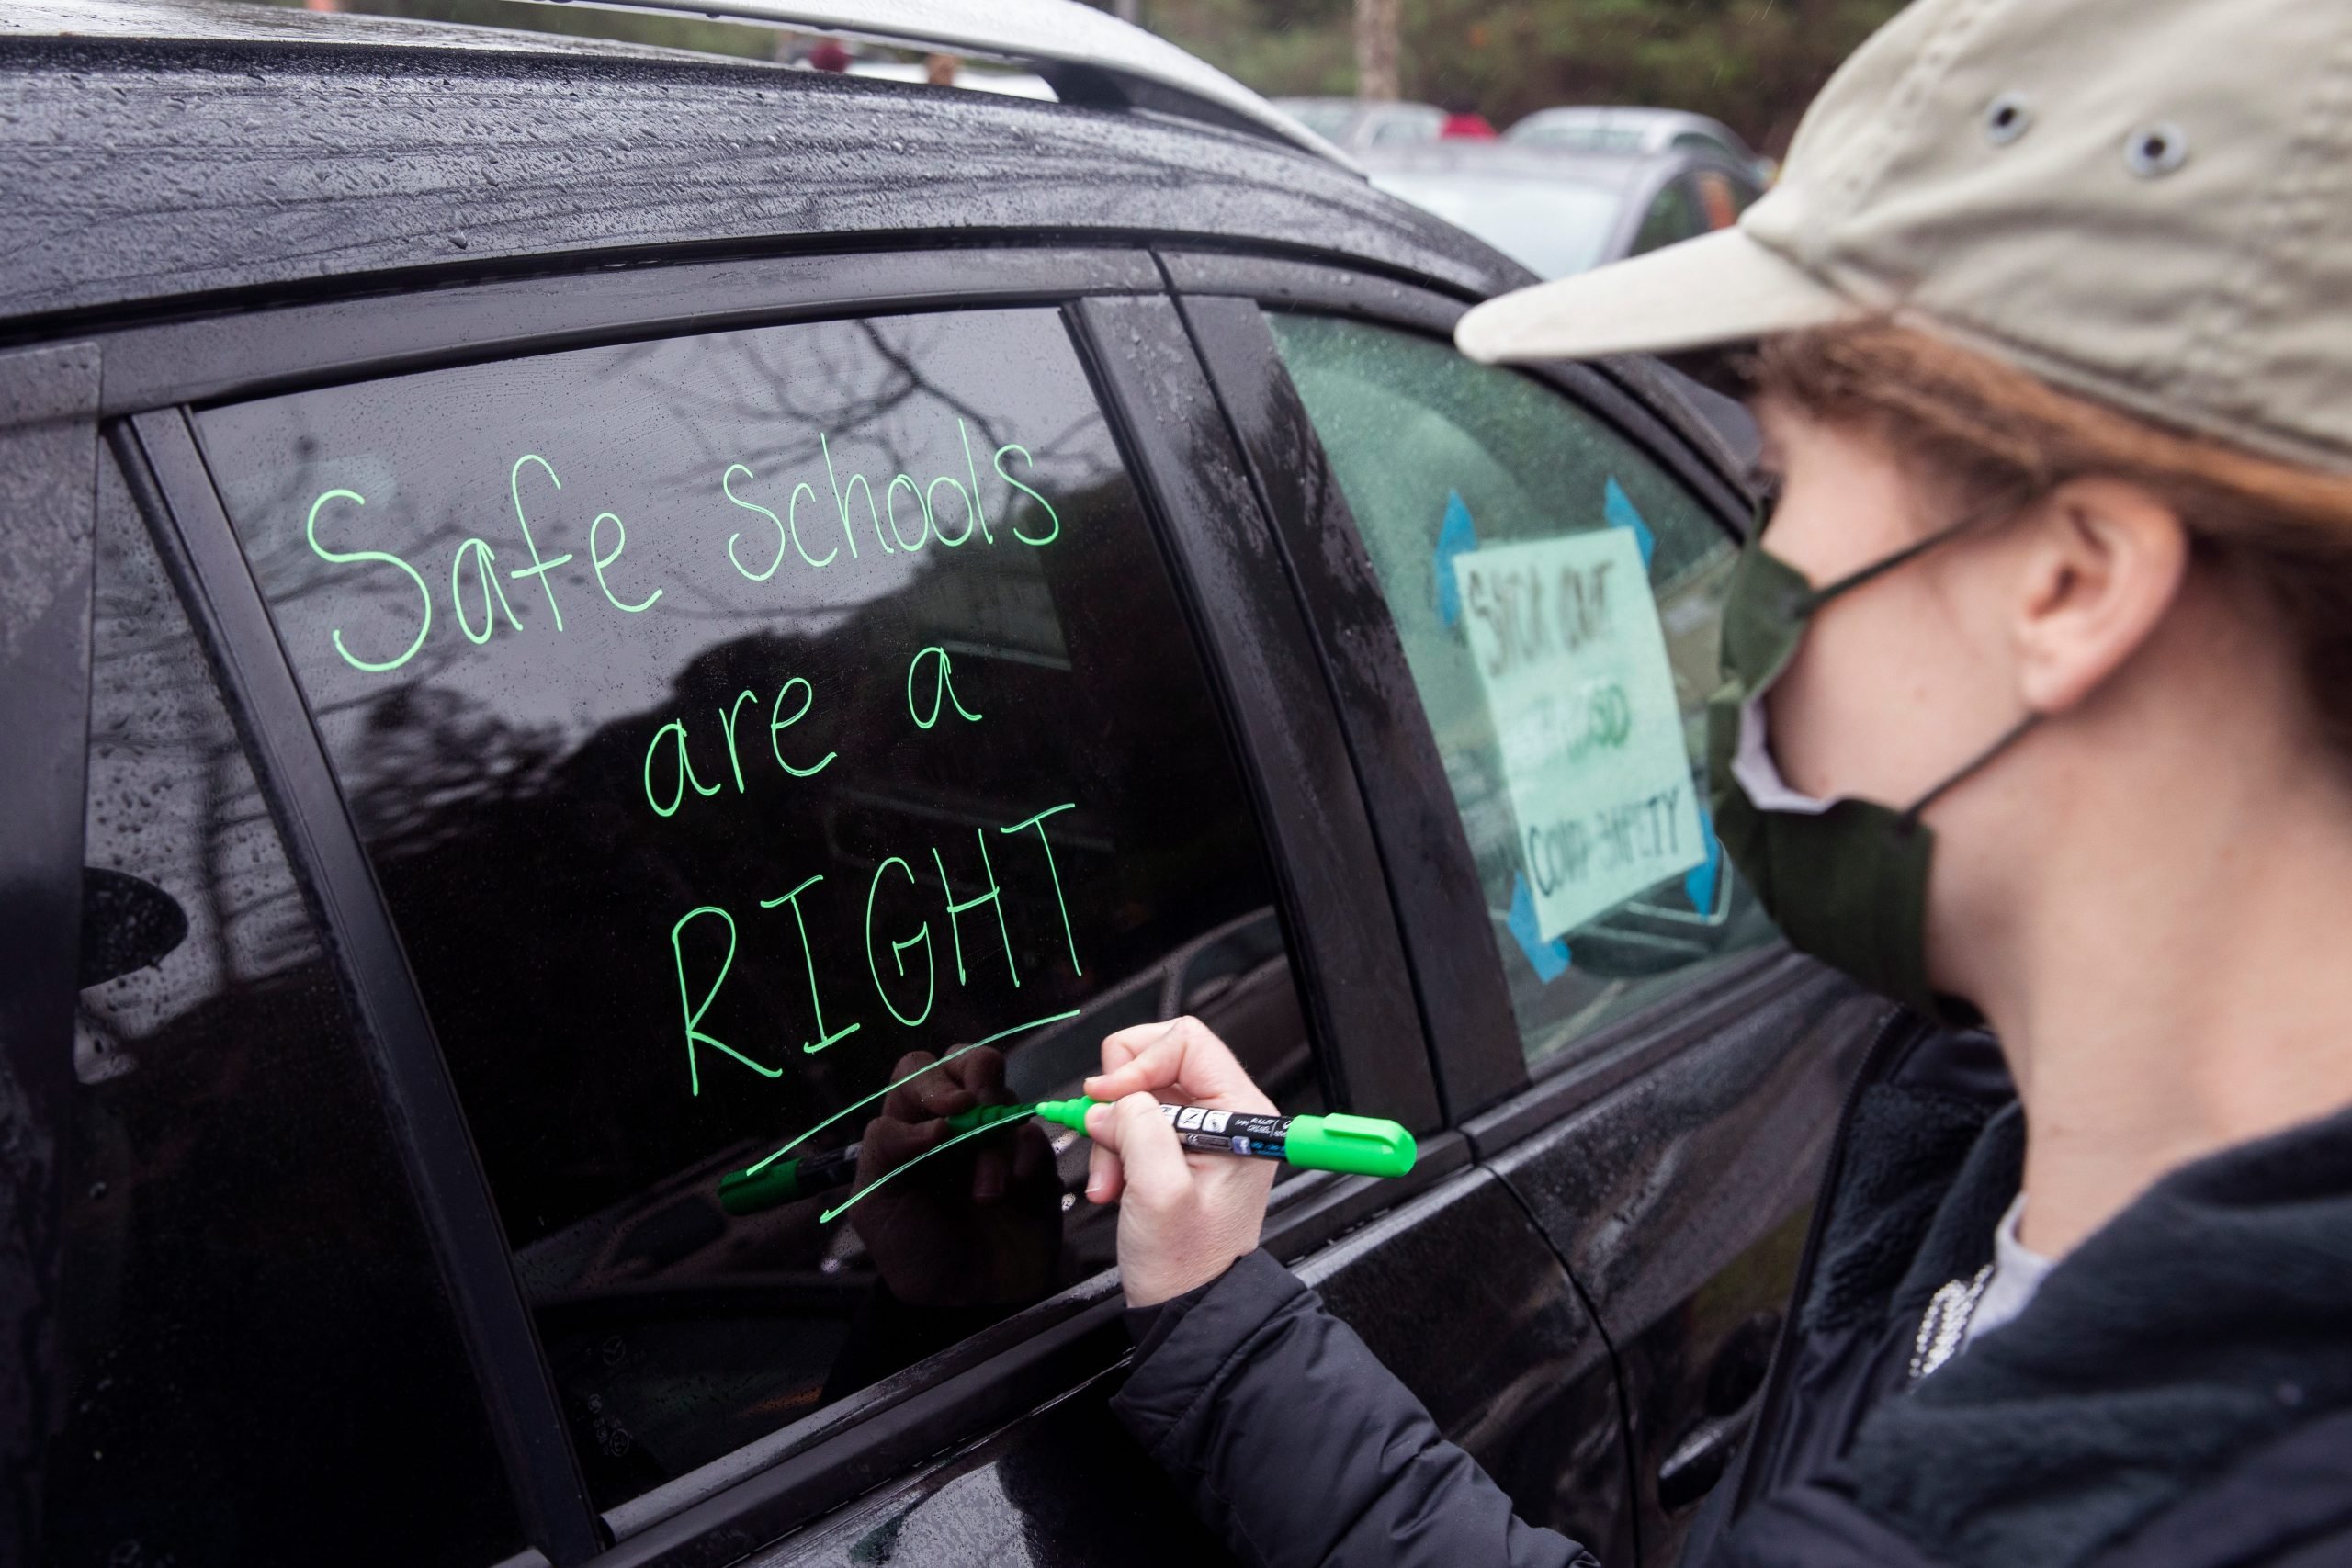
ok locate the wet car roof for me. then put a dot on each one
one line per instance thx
(241, 21)
(248, 150)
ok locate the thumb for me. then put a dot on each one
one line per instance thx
(1156, 1172)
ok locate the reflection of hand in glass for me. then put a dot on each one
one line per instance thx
(981, 1224)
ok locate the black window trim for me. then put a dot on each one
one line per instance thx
(167, 474)
(238, 355)
(49, 445)
(1424, 857)
(1220, 545)
(1474, 1041)
(156, 374)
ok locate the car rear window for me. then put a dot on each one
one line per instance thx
(739, 724)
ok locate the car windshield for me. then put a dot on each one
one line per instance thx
(1580, 136)
(1326, 118)
(1550, 226)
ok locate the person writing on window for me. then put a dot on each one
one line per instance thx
(2039, 717)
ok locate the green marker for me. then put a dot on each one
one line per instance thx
(1352, 1145)
(789, 1180)
(1355, 1145)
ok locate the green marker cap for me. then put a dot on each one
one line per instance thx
(788, 1181)
(1070, 1113)
(1354, 1145)
(1358, 1145)
(982, 1116)
(749, 1191)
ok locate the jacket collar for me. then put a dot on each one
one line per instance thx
(2208, 1318)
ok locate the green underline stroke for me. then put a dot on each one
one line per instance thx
(960, 1050)
(829, 1215)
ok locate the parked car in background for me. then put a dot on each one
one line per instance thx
(417, 444)
(1357, 126)
(1018, 83)
(1557, 213)
(1604, 128)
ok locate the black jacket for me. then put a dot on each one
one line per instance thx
(2178, 1394)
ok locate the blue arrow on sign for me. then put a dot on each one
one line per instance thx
(1618, 508)
(1456, 536)
(1550, 958)
(1699, 882)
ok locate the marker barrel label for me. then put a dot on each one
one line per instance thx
(829, 1168)
(1228, 1132)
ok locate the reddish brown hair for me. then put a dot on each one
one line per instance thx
(1980, 428)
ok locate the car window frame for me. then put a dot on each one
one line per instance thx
(1474, 1039)
(50, 453)
(158, 375)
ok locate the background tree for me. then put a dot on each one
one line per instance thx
(1379, 26)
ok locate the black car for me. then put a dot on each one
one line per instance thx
(1561, 212)
(573, 615)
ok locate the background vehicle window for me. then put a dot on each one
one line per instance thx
(1581, 137)
(1672, 218)
(729, 718)
(1550, 226)
(1401, 126)
(1507, 527)
(1721, 198)
(263, 1368)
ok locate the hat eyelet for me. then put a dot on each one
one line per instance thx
(2156, 149)
(2007, 117)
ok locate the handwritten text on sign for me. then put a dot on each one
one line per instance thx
(1569, 651)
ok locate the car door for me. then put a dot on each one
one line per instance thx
(1530, 1390)
(1515, 580)
(531, 610)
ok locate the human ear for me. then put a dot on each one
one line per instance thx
(2104, 561)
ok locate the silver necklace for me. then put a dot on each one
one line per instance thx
(1943, 1328)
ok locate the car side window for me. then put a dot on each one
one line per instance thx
(1403, 126)
(1672, 218)
(774, 746)
(1700, 142)
(260, 1365)
(1721, 200)
(1558, 596)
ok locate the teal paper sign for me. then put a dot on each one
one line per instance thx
(1571, 657)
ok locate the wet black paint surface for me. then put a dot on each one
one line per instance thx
(139, 172)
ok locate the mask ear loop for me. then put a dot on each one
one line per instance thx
(1820, 596)
(1909, 820)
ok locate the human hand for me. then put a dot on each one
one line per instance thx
(1185, 1217)
(980, 1226)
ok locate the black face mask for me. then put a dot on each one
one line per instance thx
(1846, 880)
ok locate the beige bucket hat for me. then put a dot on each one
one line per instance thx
(2145, 202)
